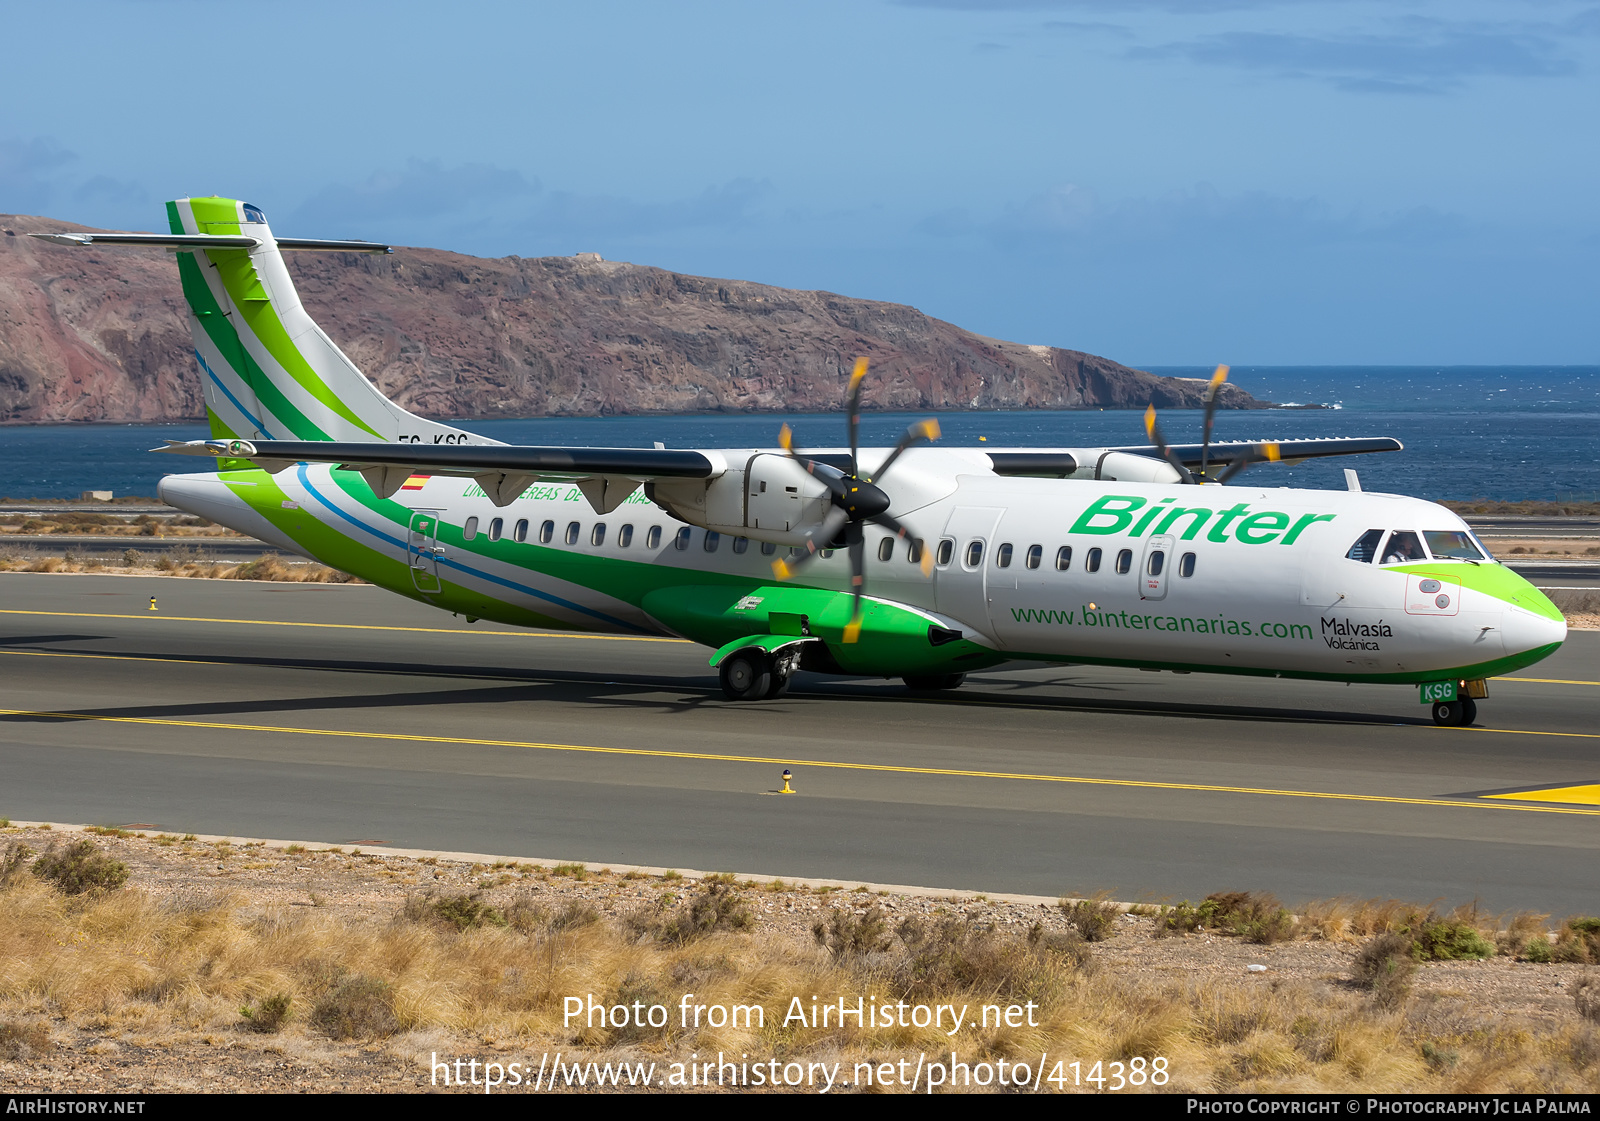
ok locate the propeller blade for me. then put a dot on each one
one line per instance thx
(903, 532)
(1212, 392)
(852, 408)
(856, 540)
(1153, 431)
(1259, 453)
(915, 434)
(816, 541)
(786, 439)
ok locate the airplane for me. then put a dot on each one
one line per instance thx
(916, 562)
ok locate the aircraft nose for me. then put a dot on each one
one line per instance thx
(1526, 630)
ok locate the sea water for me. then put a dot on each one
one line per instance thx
(1509, 432)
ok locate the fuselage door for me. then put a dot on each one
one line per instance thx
(960, 587)
(1156, 568)
(422, 550)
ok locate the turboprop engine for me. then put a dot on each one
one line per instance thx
(768, 496)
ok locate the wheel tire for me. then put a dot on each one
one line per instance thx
(1449, 714)
(777, 685)
(745, 676)
(1469, 713)
(933, 683)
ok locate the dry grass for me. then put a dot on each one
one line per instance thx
(439, 973)
(181, 561)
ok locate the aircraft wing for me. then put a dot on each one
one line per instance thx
(503, 470)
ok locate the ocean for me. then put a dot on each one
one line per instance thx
(1505, 432)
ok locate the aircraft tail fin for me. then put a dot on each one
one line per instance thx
(268, 370)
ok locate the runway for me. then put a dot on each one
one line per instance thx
(345, 714)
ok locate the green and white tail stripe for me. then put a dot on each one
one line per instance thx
(269, 371)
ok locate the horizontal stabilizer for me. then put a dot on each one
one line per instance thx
(210, 241)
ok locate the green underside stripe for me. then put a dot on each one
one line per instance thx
(220, 331)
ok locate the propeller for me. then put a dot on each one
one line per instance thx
(854, 500)
(1257, 453)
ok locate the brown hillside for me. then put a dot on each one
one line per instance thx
(100, 335)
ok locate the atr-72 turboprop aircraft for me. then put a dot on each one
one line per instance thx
(915, 562)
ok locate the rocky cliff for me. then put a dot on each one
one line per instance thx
(100, 335)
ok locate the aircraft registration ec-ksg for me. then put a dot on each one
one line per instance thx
(917, 562)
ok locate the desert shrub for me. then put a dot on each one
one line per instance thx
(1384, 966)
(269, 1016)
(1537, 950)
(19, 1041)
(956, 953)
(461, 912)
(1578, 940)
(527, 916)
(80, 867)
(1450, 939)
(1094, 919)
(845, 934)
(575, 871)
(715, 907)
(1254, 916)
(1586, 996)
(13, 864)
(573, 915)
(360, 1007)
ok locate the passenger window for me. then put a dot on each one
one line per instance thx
(712, 541)
(520, 533)
(625, 536)
(1366, 547)
(572, 533)
(1124, 562)
(768, 548)
(974, 554)
(597, 535)
(825, 554)
(1035, 555)
(947, 549)
(1157, 562)
(740, 544)
(470, 530)
(1002, 556)
(914, 554)
(496, 525)
(886, 549)
(681, 541)
(1403, 547)
(652, 540)
(1091, 561)
(1186, 565)
(1063, 558)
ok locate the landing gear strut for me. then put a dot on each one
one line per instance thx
(1455, 714)
(755, 675)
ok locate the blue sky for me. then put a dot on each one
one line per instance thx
(1164, 182)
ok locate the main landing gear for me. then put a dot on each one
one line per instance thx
(755, 675)
(1455, 714)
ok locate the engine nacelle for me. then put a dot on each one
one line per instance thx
(1125, 467)
(769, 497)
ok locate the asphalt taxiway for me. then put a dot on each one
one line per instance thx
(345, 714)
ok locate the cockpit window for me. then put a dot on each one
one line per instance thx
(1366, 549)
(252, 213)
(1451, 545)
(1402, 547)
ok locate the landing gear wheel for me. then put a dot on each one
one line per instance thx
(745, 676)
(933, 683)
(1454, 714)
(778, 685)
(1469, 713)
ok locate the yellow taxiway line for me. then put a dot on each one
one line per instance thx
(821, 764)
